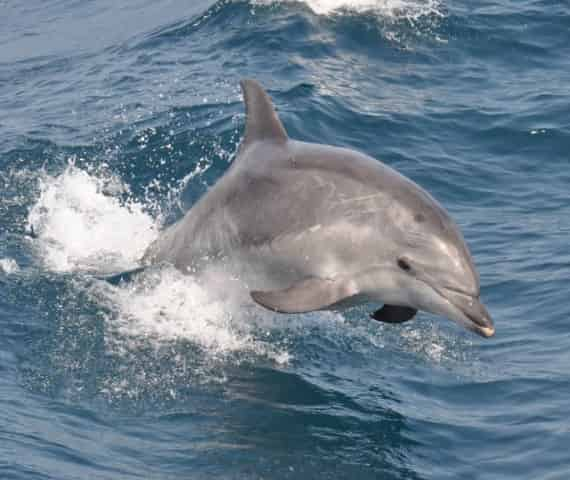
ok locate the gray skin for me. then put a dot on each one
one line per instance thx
(315, 227)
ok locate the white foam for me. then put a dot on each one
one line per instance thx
(8, 266)
(411, 9)
(82, 225)
(164, 306)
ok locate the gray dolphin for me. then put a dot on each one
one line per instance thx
(316, 227)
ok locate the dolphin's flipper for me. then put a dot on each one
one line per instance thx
(394, 314)
(262, 123)
(305, 296)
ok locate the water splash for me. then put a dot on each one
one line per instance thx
(82, 224)
(165, 331)
(163, 305)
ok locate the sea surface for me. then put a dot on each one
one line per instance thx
(115, 117)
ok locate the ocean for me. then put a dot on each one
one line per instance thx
(115, 117)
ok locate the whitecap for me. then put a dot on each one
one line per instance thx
(409, 9)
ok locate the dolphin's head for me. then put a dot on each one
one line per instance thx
(434, 265)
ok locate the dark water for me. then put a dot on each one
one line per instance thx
(115, 119)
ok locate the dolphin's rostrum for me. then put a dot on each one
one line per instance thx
(316, 227)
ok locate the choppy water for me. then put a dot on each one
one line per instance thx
(116, 116)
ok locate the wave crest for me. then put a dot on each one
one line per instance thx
(410, 9)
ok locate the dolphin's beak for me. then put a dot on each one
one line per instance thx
(463, 307)
(471, 312)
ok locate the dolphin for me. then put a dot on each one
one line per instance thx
(316, 227)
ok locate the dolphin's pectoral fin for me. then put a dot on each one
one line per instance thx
(305, 296)
(394, 314)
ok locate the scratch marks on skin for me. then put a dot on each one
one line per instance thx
(363, 206)
(362, 198)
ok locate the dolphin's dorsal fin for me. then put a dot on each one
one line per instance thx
(262, 123)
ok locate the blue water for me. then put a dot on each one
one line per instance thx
(116, 116)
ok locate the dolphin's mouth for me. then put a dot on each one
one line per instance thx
(465, 308)
(486, 329)
(476, 317)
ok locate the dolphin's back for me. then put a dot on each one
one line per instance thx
(284, 198)
(277, 194)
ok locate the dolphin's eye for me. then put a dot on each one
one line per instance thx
(404, 265)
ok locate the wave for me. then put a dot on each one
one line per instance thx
(409, 9)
